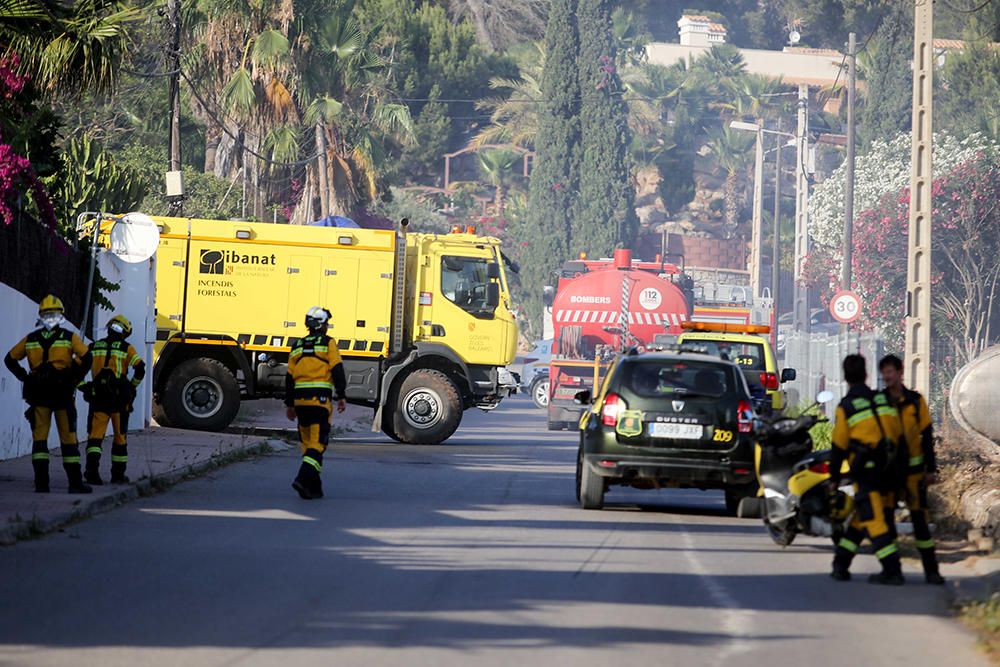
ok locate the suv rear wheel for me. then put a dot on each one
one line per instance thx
(540, 392)
(589, 486)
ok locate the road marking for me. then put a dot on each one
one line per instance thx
(274, 515)
(736, 622)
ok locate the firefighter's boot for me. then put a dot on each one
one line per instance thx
(40, 464)
(74, 472)
(842, 558)
(307, 483)
(119, 461)
(931, 573)
(92, 473)
(892, 567)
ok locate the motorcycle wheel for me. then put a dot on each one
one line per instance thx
(783, 534)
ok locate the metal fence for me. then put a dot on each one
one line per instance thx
(817, 360)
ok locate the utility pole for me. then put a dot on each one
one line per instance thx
(756, 238)
(918, 274)
(776, 238)
(801, 298)
(175, 179)
(845, 274)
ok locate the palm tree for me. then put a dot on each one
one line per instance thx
(514, 118)
(69, 48)
(732, 150)
(497, 165)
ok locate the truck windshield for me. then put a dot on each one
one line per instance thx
(463, 282)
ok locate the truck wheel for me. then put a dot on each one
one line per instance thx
(201, 394)
(540, 392)
(427, 408)
(590, 487)
(387, 425)
(160, 415)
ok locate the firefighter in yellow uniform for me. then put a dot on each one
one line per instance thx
(922, 464)
(315, 380)
(867, 433)
(57, 359)
(110, 393)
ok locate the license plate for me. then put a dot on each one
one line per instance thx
(676, 431)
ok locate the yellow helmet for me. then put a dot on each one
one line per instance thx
(50, 304)
(120, 324)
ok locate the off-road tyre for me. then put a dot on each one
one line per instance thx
(201, 394)
(387, 427)
(426, 395)
(160, 415)
(590, 487)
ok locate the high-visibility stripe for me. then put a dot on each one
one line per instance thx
(859, 417)
(916, 460)
(119, 459)
(887, 412)
(870, 464)
(33, 346)
(295, 353)
(94, 450)
(40, 456)
(885, 552)
(71, 459)
(925, 544)
(314, 385)
(308, 460)
(845, 543)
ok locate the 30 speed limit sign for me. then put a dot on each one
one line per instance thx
(845, 306)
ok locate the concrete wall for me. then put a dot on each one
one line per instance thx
(134, 300)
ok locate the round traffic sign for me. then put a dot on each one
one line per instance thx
(845, 306)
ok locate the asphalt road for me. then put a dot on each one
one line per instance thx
(472, 552)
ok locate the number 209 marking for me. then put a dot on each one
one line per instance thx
(722, 436)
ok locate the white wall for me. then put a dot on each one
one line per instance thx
(134, 300)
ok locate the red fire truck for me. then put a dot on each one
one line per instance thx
(601, 307)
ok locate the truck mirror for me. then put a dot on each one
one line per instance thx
(492, 296)
(788, 375)
(548, 295)
(493, 271)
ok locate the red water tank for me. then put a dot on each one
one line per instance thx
(593, 301)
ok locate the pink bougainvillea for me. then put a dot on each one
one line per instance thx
(17, 177)
(11, 83)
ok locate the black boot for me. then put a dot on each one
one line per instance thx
(892, 571)
(92, 474)
(307, 483)
(842, 557)
(119, 460)
(931, 573)
(40, 464)
(74, 474)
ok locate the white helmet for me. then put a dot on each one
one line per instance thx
(318, 318)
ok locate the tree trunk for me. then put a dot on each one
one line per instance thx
(498, 201)
(213, 135)
(732, 206)
(322, 170)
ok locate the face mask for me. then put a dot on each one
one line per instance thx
(116, 328)
(51, 320)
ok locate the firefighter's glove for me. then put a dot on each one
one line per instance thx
(290, 413)
(341, 405)
(87, 389)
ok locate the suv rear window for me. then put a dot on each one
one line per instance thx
(748, 356)
(651, 379)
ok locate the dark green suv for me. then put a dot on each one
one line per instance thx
(667, 420)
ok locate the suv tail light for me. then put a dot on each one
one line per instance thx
(744, 417)
(770, 381)
(612, 409)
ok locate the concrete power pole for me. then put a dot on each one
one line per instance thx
(801, 303)
(756, 238)
(845, 274)
(776, 238)
(918, 279)
(175, 181)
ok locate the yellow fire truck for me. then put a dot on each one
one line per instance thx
(423, 321)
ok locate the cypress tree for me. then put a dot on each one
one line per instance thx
(605, 215)
(555, 174)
